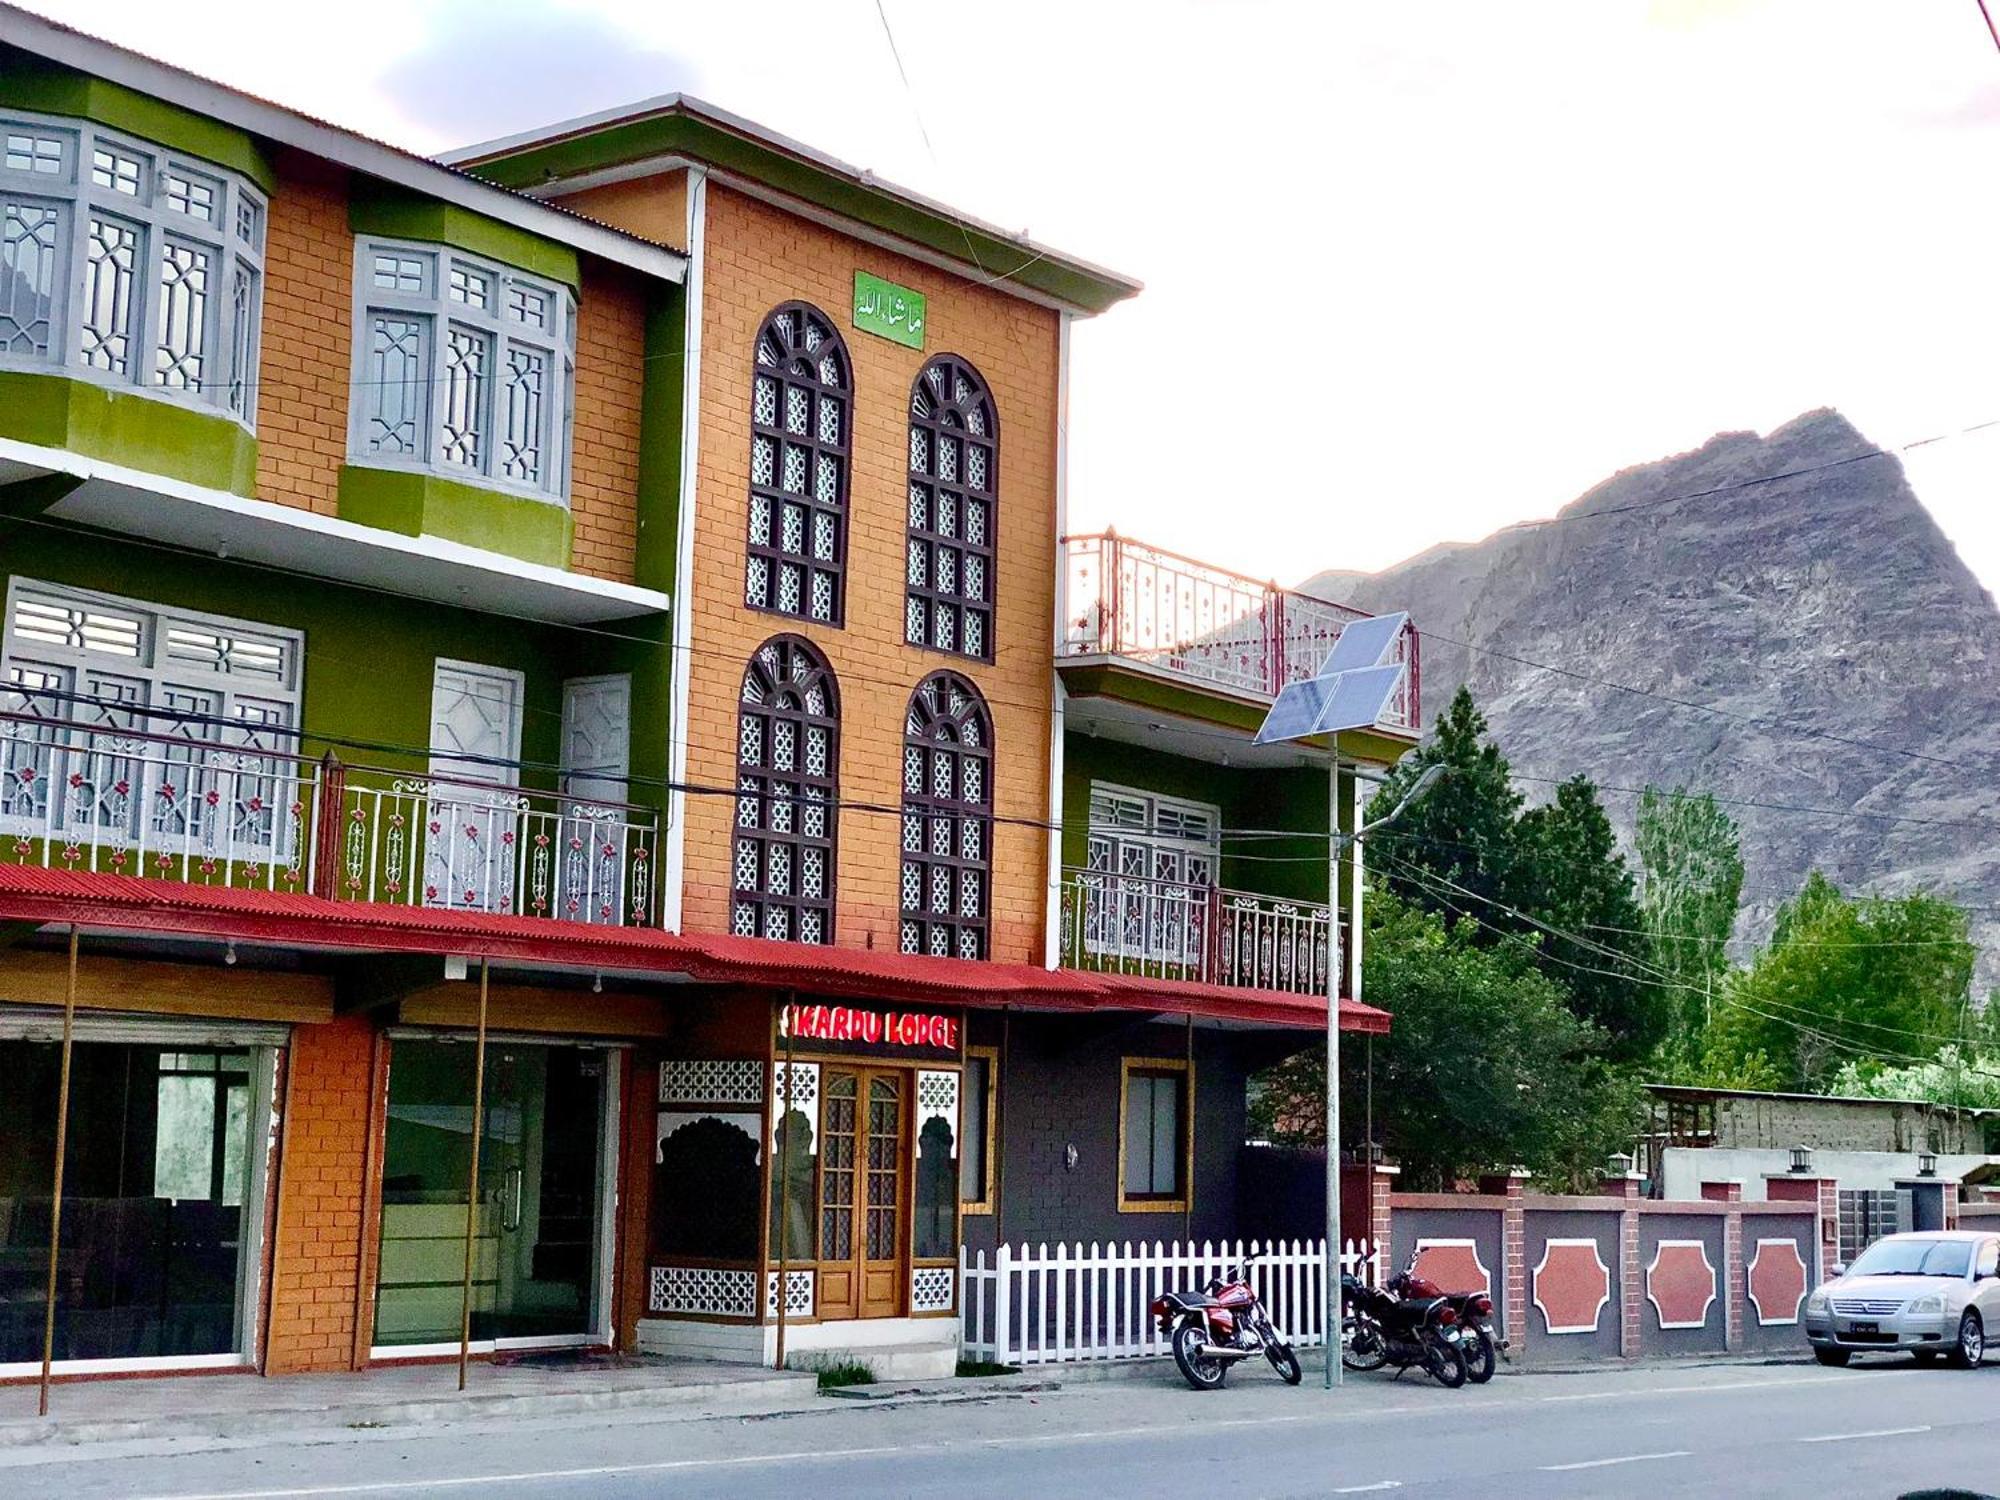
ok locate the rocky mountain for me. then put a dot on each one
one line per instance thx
(1842, 666)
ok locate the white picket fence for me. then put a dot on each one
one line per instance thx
(1037, 1304)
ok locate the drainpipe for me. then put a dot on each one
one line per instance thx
(784, 1184)
(56, 1194)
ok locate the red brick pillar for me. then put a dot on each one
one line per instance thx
(1513, 1286)
(1829, 1226)
(1381, 1183)
(1631, 1288)
(1735, 1274)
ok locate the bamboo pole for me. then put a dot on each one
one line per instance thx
(56, 1195)
(472, 1180)
(784, 1193)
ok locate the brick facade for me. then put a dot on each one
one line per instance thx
(754, 258)
(319, 1235)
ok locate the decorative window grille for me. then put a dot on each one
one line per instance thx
(112, 667)
(787, 780)
(800, 415)
(949, 579)
(947, 822)
(1151, 869)
(462, 368)
(129, 264)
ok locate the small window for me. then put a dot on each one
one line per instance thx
(977, 1181)
(1154, 1138)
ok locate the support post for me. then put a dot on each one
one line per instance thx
(1331, 1378)
(472, 1179)
(56, 1193)
(783, 1194)
(323, 878)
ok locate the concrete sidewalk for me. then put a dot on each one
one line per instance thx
(237, 1405)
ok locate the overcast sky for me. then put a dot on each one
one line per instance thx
(1414, 270)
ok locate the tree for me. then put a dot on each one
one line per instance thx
(1869, 979)
(1691, 882)
(1568, 876)
(1484, 1068)
(1460, 833)
(1956, 1076)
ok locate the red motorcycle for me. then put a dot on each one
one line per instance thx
(1477, 1341)
(1210, 1331)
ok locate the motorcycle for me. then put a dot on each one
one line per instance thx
(1211, 1330)
(1378, 1328)
(1477, 1341)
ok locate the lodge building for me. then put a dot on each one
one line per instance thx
(569, 657)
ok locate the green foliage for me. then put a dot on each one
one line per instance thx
(1485, 1066)
(1468, 850)
(1845, 979)
(834, 1370)
(1956, 1076)
(1691, 882)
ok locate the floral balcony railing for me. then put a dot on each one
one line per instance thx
(203, 802)
(1149, 605)
(1170, 929)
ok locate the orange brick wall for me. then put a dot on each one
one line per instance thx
(756, 257)
(307, 369)
(319, 1231)
(307, 356)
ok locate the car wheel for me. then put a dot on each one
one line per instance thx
(1971, 1346)
(1832, 1356)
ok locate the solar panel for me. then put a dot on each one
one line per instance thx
(1296, 709)
(1365, 643)
(1358, 698)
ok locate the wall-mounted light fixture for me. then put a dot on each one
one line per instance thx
(1927, 1163)
(1801, 1158)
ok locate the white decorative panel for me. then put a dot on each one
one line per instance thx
(712, 1081)
(671, 1120)
(931, 1288)
(803, 1080)
(798, 1293)
(937, 1098)
(708, 1290)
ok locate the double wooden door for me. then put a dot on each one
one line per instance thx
(863, 1190)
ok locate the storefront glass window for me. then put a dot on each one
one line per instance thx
(973, 1168)
(155, 1224)
(1154, 1143)
(937, 1202)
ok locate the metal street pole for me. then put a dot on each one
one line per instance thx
(472, 1180)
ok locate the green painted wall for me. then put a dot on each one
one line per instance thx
(396, 213)
(1277, 799)
(660, 400)
(29, 82)
(369, 656)
(414, 504)
(129, 428)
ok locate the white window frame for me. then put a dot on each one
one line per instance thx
(233, 237)
(444, 765)
(438, 311)
(1126, 920)
(151, 674)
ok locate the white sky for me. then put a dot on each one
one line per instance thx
(1415, 270)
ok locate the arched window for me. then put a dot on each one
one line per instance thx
(954, 495)
(787, 777)
(799, 419)
(947, 819)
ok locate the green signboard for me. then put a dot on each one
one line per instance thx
(888, 311)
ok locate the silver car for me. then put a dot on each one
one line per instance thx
(1928, 1294)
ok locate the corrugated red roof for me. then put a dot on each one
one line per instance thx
(127, 903)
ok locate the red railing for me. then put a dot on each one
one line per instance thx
(1147, 604)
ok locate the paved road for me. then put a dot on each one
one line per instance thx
(1721, 1430)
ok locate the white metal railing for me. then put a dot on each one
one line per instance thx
(1125, 598)
(218, 804)
(1172, 929)
(1042, 1304)
(118, 800)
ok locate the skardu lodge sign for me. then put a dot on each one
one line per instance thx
(858, 1027)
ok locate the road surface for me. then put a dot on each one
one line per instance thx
(1750, 1430)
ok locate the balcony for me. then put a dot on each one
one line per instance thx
(1207, 625)
(1168, 929)
(202, 802)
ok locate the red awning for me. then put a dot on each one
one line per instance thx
(126, 903)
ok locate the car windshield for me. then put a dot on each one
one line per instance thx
(1913, 1258)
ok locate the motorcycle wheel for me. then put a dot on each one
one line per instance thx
(1445, 1364)
(1199, 1370)
(1362, 1346)
(1285, 1361)
(1480, 1359)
